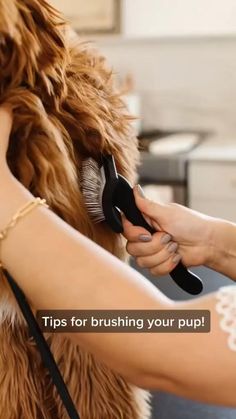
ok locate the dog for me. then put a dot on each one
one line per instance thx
(66, 107)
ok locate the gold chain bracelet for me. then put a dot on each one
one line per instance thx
(20, 214)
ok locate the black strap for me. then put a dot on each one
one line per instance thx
(43, 348)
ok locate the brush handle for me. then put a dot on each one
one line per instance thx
(125, 201)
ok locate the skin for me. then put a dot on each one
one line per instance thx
(198, 239)
(41, 248)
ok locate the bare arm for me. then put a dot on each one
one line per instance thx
(52, 263)
(57, 267)
(223, 254)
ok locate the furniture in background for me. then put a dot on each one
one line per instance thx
(91, 16)
(212, 179)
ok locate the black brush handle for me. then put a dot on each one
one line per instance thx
(125, 201)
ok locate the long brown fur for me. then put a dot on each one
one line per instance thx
(65, 109)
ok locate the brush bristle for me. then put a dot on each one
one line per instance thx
(92, 184)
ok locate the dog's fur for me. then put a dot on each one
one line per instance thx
(65, 109)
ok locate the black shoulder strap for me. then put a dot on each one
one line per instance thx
(43, 348)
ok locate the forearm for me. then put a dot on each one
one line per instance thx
(42, 252)
(59, 268)
(199, 366)
(222, 248)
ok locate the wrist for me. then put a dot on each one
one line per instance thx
(4, 170)
(7, 180)
(222, 245)
(12, 195)
(207, 242)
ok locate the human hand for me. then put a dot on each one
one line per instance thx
(182, 234)
(5, 131)
(157, 252)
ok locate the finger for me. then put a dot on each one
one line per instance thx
(159, 240)
(166, 267)
(135, 233)
(159, 258)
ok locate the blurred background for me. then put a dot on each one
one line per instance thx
(176, 63)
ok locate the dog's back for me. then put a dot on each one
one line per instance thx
(65, 109)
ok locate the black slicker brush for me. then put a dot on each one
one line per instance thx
(107, 194)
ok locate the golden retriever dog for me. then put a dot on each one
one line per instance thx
(66, 108)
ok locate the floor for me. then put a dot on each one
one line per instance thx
(166, 406)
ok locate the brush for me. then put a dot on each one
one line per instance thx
(106, 194)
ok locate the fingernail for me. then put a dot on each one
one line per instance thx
(145, 238)
(176, 259)
(140, 191)
(172, 247)
(166, 239)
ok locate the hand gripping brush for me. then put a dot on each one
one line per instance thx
(106, 194)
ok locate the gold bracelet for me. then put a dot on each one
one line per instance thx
(20, 214)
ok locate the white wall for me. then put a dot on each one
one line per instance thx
(163, 17)
(182, 82)
(179, 17)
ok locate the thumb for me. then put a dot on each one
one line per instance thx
(153, 210)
